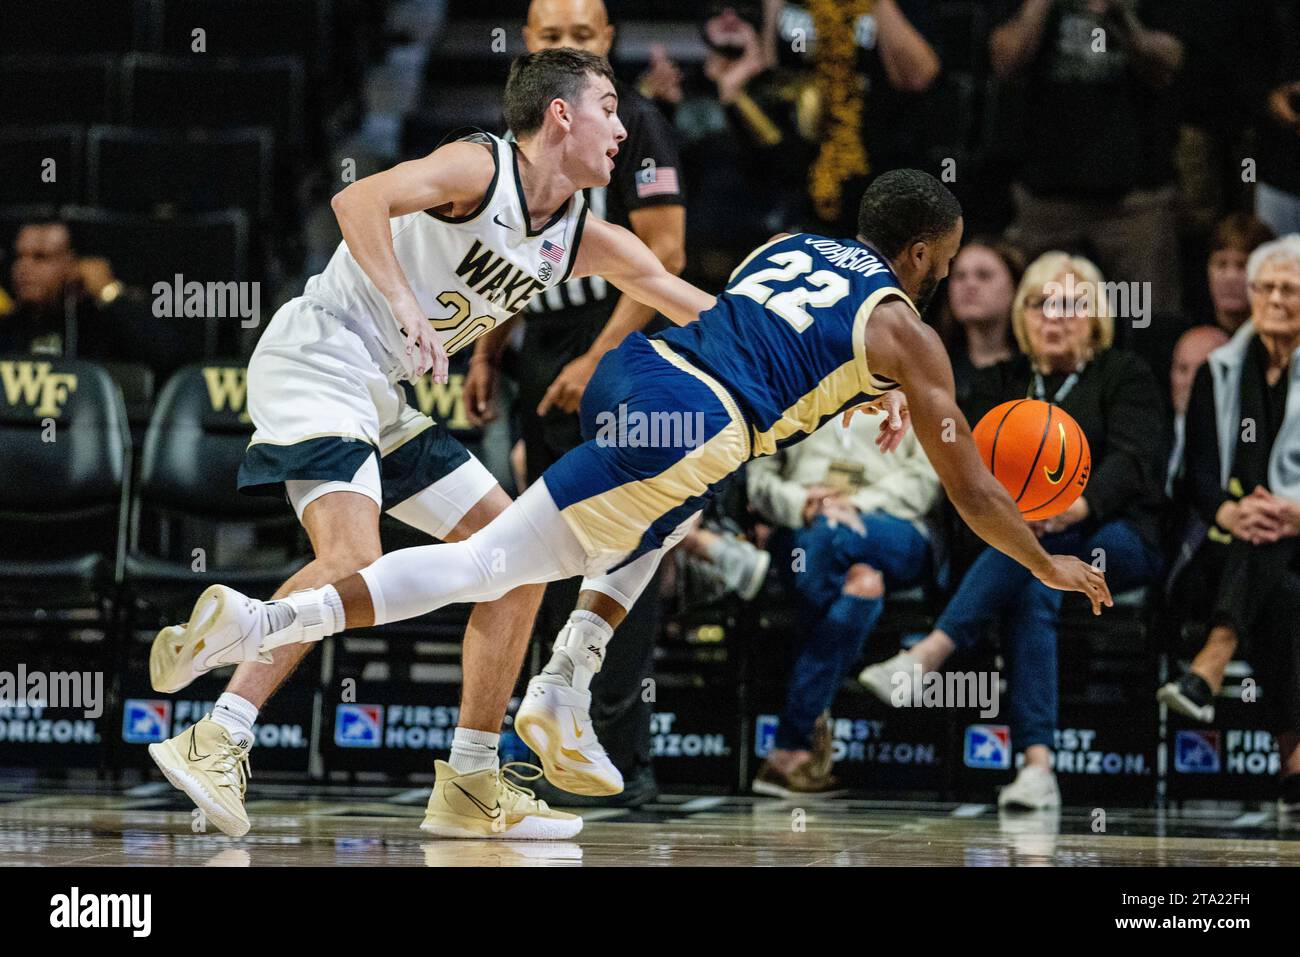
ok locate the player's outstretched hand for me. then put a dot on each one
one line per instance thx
(894, 426)
(1068, 573)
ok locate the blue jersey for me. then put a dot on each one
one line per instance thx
(787, 337)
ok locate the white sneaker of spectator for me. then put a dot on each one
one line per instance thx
(734, 566)
(1034, 789)
(880, 680)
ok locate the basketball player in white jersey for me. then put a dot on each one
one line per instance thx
(435, 253)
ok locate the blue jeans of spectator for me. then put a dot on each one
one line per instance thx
(997, 587)
(839, 624)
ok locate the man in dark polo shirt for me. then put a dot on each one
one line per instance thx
(566, 332)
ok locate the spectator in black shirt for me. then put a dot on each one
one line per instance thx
(1243, 477)
(566, 332)
(893, 64)
(976, 319)
(1100, 127)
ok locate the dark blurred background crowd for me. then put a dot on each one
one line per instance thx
(1142, 154)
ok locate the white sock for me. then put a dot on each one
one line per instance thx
(307, 615)
(473, 751)
(579, 649)
(236, 715)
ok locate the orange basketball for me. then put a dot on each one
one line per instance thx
(1039, 454)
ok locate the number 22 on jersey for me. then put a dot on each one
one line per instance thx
(823, 288)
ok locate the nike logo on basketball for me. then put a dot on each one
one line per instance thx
(496, 219)
(1054, 476)
(488, 812)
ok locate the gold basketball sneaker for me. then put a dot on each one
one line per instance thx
(554, 720)
(224, 628)
(212, 769)
(488, 804)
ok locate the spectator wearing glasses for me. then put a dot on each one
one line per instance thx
(1243, 477)
(1064, 327)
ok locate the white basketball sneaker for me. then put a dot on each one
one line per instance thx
(227, 628)
(555, 721)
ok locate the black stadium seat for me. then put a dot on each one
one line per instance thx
(196, 171)
(242, 28)
(25, 176)
(216, 93)
(66, 452)
(186, 495)
(206, 247)
(68, 26)
(40, 90)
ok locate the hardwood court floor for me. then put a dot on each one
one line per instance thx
(150, 825)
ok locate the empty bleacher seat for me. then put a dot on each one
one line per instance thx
(66, 452)
(41, 90)
(137, 384)
(26, 171)
(216, 93)
(68, 26)
(204, 247)
(193, 171)
(242, 28)
(186, 498)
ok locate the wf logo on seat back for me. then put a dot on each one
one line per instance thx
(32, 384)
(228, 389)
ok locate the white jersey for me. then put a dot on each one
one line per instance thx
(469, 272)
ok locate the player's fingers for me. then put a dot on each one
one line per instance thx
(1100, 578)
(548, 400)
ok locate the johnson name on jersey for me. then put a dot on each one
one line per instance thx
(788, 335)
(469, 273)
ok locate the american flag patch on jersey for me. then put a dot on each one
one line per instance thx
(656, 181)
(552, 252)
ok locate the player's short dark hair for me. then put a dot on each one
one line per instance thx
(905, 206)
(536, 79)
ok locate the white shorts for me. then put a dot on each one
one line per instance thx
(328, 417)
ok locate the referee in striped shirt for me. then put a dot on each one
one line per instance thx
(567, 331)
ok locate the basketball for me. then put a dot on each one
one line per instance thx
(1039, 454)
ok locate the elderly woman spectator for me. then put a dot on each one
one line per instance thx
(1243, 477)
(1064, 328)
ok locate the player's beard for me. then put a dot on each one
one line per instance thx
(926, 292)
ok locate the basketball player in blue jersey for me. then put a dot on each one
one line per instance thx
(809, 328)
(435, 253)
